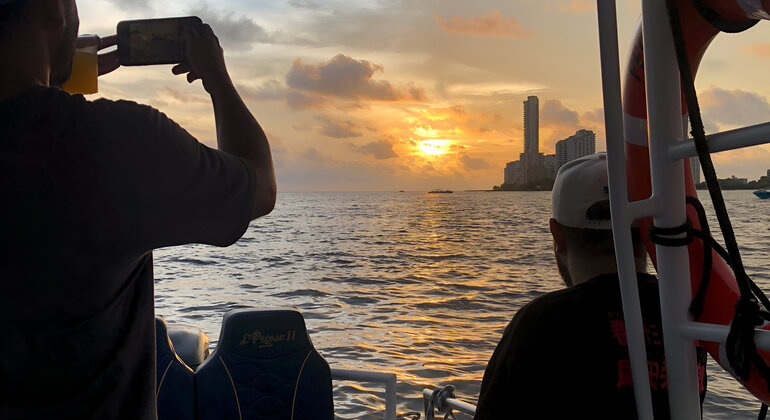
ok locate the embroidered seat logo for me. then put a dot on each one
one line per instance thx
(267, 340)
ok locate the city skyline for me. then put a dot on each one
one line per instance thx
(394, 94)
(535, 166)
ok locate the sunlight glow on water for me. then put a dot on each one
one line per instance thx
(417, 284)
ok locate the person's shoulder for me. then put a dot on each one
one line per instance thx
(123, 107)
(567, 294)
(135, 118)
(43, 96)
(559, 304)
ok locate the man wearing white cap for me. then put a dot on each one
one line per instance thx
(565, 353)
(89, 189)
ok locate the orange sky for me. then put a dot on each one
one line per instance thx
(415, 95)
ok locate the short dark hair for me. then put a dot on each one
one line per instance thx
(10, 15)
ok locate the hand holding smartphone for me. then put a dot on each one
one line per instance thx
(153, 41)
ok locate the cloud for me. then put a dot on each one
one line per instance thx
(305, 4)
(339, 129)
(554, 113)
(314, 156)
(594, 120)
(749, 162)
(471, 163)
(312, 170)
(236, 32)
(379, 149)
(180, 96)
(493, 24)
(760, 50)
(132, 4)
(301, 100)
(577, 6)
(346, 77)
(731, 108)
(271, 90)
(593, 117)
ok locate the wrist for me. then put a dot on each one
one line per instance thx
(218, 84)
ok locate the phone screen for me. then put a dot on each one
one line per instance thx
(152, 41)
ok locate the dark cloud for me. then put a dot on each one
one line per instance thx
(493, 24)
(301, 100)
(554, 113)
(379, 149)
(311, 170)
(472, 163)
(314, 156)
(271, 90)
(132, 4)
(236, 32)
(305, 4)
(182, 96)
(345, 77)
(339, 129)
(593, 117)
(733, 107)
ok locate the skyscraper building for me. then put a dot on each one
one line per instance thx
(531, 126)
(512, 173)
(580, 144)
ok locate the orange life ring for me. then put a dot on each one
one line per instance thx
(723, 291)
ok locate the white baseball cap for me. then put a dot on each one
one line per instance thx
(580, 185)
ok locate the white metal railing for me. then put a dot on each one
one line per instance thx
(389, 379)
(728, 140)
(667, 205)
(619, 207)
(453, 403)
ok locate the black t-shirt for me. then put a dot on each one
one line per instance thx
(565, 354)
(88, 189)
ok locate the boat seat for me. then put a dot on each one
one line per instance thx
(264, 367)
(175, 388)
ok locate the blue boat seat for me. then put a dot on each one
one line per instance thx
(175, 387)
(264, 367)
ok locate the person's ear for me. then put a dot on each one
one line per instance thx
(559, 240)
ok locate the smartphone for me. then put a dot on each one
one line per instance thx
(153, 41)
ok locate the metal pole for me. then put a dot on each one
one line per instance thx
(619, 206)
(665, 130)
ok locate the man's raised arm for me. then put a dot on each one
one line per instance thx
(238, 133)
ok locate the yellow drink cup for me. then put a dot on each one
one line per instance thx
(85, 67)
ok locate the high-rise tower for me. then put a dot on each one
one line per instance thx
(531, 126)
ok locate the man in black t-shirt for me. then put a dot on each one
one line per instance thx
(89, 189)
(565, 353)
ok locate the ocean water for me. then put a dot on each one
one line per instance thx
(421, 285)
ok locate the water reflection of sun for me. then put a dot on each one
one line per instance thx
(433, 147)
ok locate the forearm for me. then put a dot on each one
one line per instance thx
(238, 133)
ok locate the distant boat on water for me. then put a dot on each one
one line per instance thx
(440, 192)
(762, 193)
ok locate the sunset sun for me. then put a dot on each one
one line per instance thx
(433, 147)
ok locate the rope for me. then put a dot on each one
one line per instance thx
(438, 402)
(740, 346)
(663, 236)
